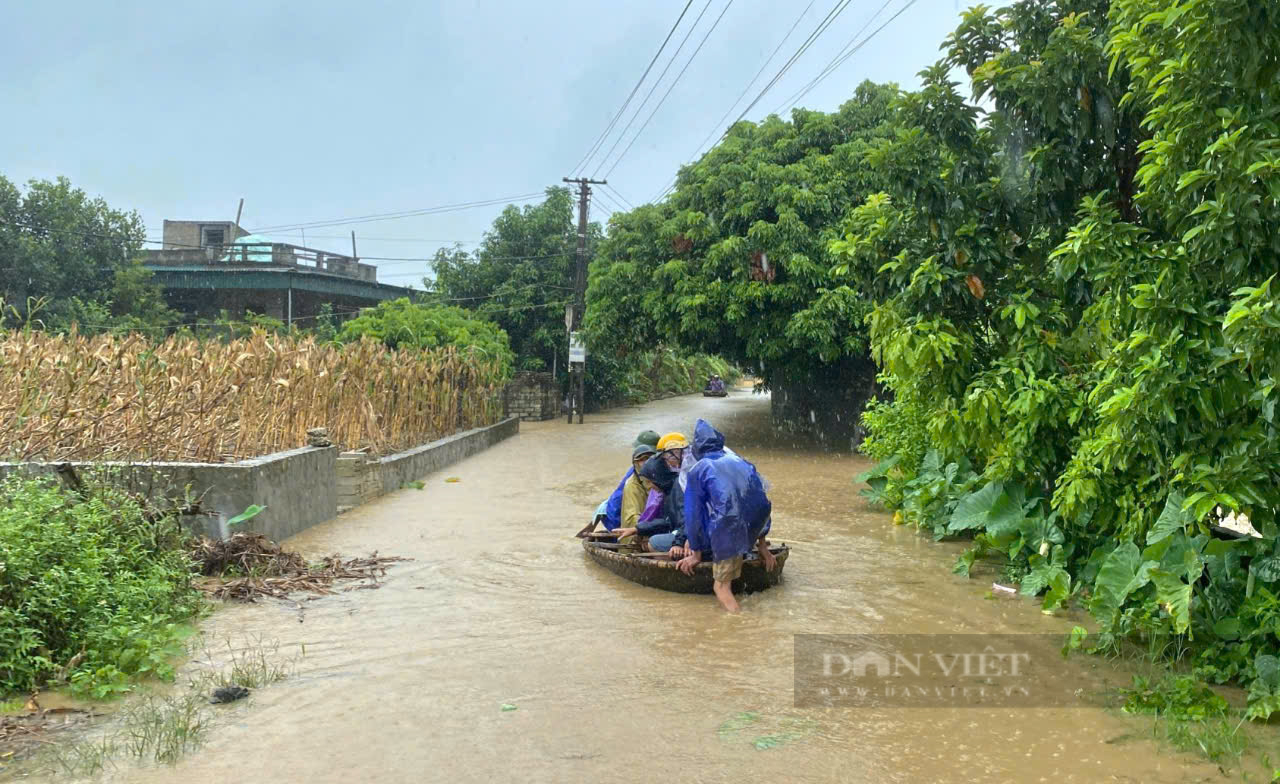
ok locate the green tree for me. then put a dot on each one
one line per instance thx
(401, 324)
(520, 277)
(1075, 292)
(735, 263)
(974, 319)
(67, 257)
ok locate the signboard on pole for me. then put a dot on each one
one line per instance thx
(577, 349)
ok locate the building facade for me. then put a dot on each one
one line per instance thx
(207, 267)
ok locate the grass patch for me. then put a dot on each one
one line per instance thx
(1191, 717)
(162, 728)
(157, 729)
(12, 706)
(253, 667)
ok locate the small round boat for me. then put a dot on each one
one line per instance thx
(654, 571)
(709, 393)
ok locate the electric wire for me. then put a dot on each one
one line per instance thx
(670, 87)
(840, 59)
(822, 27)
(619, 195)
(613, 122)
(609, 202)
(399, 214)
(122, 239)
(657, 82)
(720, 123)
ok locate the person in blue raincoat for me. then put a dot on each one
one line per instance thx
(727, 512)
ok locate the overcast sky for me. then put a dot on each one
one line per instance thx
(323, 110)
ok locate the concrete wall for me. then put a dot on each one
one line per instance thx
(420, 461)
(299, 488)
(186, 234)
(531, 396)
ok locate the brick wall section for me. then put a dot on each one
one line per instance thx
(531, 396)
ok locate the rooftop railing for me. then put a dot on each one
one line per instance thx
(278, 254)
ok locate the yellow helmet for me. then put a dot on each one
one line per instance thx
(672, 441)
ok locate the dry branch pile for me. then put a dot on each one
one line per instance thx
(126, 398)
(260, 568)
(245, 553)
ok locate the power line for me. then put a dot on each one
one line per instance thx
(610, 203)
(720, 123)
(595, 147)
(618, 194)
(485, 258)
(144, 241)
(623, 134)
(826, 22)
(401, 214)
(377, 239)
(849, 51)
(670, 87)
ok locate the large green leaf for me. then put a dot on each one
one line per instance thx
(880, 470)
(1224, 558)
(1122, 572)
(1172, 519)
(248, 514)
(1174, 596)
(990, 508)
(1266, 569)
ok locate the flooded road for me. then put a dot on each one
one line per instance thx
(614, 682)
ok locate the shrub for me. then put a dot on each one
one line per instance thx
(404, 324)
(897, 428)
(91, 588)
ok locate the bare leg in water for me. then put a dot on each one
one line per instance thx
(724, 592)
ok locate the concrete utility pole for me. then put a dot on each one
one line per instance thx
(577, 354)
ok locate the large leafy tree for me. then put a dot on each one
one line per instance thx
(521, 276)
(67, 257)
(973, 317)
(735, 263)
(1077, 294)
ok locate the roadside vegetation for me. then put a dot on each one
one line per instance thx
(1074, 311)
(95, 590)
(126, 397)
(518, 278)
(99, 594)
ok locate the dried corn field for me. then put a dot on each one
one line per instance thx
(127, 398)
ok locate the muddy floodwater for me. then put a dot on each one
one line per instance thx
(501, 653)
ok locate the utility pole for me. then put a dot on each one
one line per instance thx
(577, 353)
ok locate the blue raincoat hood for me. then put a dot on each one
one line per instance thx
(706, 439)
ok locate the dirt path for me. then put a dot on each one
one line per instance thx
(614, 682)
